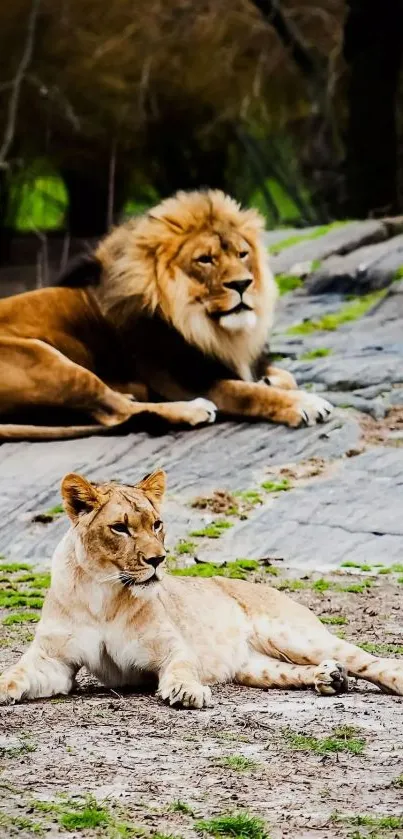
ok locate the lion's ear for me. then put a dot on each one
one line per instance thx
(154, 487)
(79, 496)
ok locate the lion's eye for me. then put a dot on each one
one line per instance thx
(205, 259)
(243, 254)
(157, 526)
(120, 528)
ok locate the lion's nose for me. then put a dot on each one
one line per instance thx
(155, 561)
(239, 285)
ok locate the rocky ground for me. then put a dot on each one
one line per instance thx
(315, 511)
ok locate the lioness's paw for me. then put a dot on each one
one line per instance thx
(330, 678)
(186, 694)
(9, 692)
(200, 411)
(312, 408)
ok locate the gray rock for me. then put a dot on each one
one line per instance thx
(340, 240)
(396, 397)
(226, 455)
(363, 270)
(376, 408)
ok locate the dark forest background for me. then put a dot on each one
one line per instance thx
(294, 106)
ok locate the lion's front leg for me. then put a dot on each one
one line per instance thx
(259, 400)
(179, 685)
(277, 377)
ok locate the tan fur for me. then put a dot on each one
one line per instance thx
(88, 349)
(112, 609)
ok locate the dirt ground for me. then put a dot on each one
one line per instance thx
(102, 764)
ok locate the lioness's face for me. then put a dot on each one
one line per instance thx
(120, 529)
(222, 277)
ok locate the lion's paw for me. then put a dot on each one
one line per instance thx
(201, 411)
(330, 678)
(277, 377)
(186, 694)
(312, 408)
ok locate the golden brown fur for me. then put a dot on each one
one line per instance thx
(178, 305)
(112, 609)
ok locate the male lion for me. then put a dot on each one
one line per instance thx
(111, 608)
(172, 306)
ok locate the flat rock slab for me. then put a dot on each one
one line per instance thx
(365, 269)
(318, 523)
(228, 455)
(338, 240)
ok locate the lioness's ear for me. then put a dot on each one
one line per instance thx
(79, 496)
(154, 486)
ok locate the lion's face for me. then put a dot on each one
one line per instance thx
(218, 274)
(120, 532)
(198, 260)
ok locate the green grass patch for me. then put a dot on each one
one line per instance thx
(322, 585)
(398, 275)
(184, 547)
(292, 585)
(398, 782)
(381, 649)
(287, 283)
(361, 566)
(251, 496)
(234, 570)
(334, 620)
(271, 569)
(305, 237)
(320, 352)
(213, 530)
(351, 311)
(37, 580)
(355, 588)
(25, 747)
(379, 822)
(277, 486)
(87, 814)
(343, 739)
(20, 823)
(10, 567)
(20, 617)
(241, 825)
(181, 807)
(238, 763)
(11, 600)
(57, 510)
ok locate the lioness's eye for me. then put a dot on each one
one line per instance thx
(157, 525)
(120, 528)
(205, 259)
(243, 254)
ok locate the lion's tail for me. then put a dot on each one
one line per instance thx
(10, 432)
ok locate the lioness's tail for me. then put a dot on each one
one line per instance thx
(10, 432)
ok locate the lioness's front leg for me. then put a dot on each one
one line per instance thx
(40, 672)
(290, 407)
(179, 685)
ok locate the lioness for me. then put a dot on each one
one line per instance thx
(111, 608)
(173, 306)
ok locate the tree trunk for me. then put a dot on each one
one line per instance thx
(373, 42)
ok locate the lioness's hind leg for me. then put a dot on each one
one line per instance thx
(261, 671)
(301, 638)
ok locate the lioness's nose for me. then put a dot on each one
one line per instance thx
(155, 561)
(238, 285)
